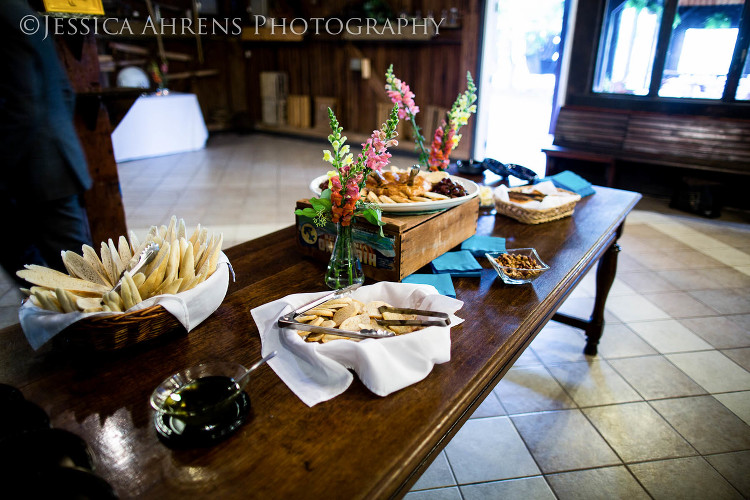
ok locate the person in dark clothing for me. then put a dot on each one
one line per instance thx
(43, 167)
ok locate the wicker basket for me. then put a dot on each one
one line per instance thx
(530, 216)
(111, 333)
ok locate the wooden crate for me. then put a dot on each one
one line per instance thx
(274, 85)
(410, 241)
(298, 111)
(321, 111)
(273, 112)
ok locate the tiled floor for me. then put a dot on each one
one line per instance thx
(663, 411)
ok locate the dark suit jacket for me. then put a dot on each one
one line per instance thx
(40, 154)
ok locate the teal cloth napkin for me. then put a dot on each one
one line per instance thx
(572, 182)
(461, 263)
(479, 245)
(442, 282)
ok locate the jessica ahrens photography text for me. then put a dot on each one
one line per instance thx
(112, 26)
(352, 26)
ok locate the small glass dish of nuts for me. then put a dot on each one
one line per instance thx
(517, 266)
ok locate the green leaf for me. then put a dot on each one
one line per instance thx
(320, 204)
(326, 194)
(306, 212)
(372, 215)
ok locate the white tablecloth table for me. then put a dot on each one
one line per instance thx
(160, 125)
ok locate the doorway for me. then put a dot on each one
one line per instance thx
(521, 52)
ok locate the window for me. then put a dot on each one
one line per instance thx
(627, 47)
(743, 89)
(671, 48)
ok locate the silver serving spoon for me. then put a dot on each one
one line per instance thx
(146, 256)
(242, 381)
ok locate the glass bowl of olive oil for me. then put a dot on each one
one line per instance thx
(201, 396)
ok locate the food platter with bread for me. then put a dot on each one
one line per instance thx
(406, 191)
(127, 292)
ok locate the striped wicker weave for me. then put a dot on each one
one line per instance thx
(110, 333)
(529, 216)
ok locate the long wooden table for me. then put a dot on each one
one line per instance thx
(357, 445)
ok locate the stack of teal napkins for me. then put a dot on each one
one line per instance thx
(478, 245)
(572, 182)
(442, 282)
(461, 264)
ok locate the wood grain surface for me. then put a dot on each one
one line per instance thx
(357, 445)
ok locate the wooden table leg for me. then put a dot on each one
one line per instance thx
(605, 276)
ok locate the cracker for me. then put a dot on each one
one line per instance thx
(356, 323)
(345, 313)
(436, 196)
(372, 308)
(328, 313)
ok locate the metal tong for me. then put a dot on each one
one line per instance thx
(288, 321)
(445, 321)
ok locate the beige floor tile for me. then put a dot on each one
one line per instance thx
(734, 467)
(669, 336)
(530, 389)
(595, 484)
(683, 478)
(719, 331)
(557, 343)
(637, 433)
(713, 371)
(738, 402)
(656, 378)
(619, 341)
(437, 475)
(490, 407)
(725, 301)
(593, 383)
(680, 304)
(741, 320)
(563, 441)
(582, 307)
(705, 423)
(731, 256)
(488, 449)
(532, 487)
(436, 494)
(527, 358)
(739, 356)
(634, 308)
(645, 282)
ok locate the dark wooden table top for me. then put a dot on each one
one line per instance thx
(356, 445)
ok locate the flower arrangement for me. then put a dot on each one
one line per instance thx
(342, 200)
(446, 136)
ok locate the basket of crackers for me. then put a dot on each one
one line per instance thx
(128, 292)
(535, 203)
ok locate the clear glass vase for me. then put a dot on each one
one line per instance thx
(344, 268)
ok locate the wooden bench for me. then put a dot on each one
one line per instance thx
(609, 137)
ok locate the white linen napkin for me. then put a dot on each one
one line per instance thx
(190, 308)
(319, 372)
(554, 198)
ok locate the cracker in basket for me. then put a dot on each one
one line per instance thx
(345, 313)
(400, 329)
(319, 311)
(356, 323)
(79, 267)
(372, 308)
(49, 278)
